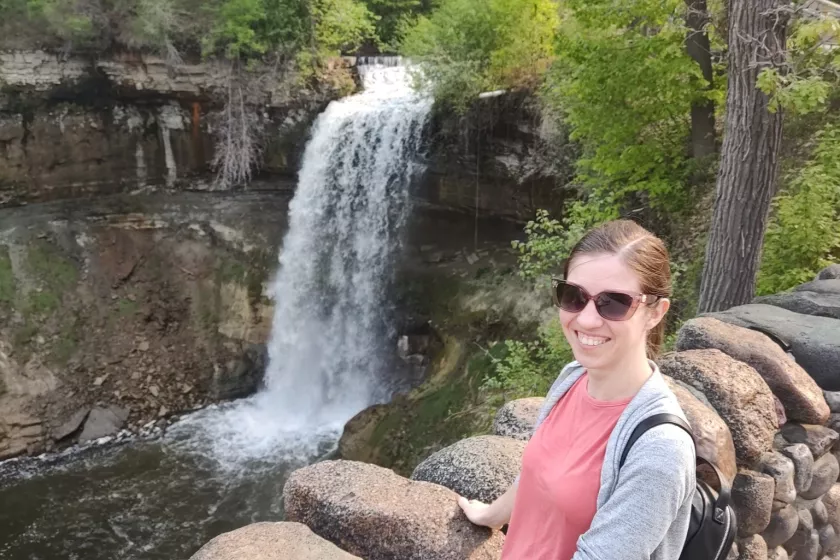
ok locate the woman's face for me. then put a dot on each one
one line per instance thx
(599, 344)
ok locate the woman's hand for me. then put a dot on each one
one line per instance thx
(478, 513)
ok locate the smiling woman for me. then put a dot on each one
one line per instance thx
(569, 501)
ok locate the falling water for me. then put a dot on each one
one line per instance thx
(326, 355)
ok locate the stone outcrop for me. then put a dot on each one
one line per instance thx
(132, 122)
(478, 468)
(102, 422)
(377, 515)
(738, 393)
(813, 340)
(807, 303)
(271, 541)
(711, 434)
(802, 398)
(517, 418)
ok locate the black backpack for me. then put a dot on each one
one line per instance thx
(713, 525)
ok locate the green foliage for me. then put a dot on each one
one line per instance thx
(803, 235)
(549, 242)
(394, 17)
(626, 84)
(812, 71)
(341, 25)
(469, 46)
(529, 368)
(236, 29)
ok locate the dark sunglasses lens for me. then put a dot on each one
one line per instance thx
(614, 306)
(570, 298)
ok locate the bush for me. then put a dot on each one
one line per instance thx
(530, 367)
(469, 46)
(803, 234)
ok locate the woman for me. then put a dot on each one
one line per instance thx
(571, 500)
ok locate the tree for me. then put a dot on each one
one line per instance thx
(699, 48)
(749, 164)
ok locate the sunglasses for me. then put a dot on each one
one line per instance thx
(612, 306)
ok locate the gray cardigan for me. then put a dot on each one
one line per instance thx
(643, 509)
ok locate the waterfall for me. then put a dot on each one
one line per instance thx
(326, 355)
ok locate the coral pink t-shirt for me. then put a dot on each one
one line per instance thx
(561, 476)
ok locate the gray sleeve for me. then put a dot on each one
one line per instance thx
(651, 494)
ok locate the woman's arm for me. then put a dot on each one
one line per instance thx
(494, 515)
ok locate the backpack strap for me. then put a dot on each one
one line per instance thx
(724, 495)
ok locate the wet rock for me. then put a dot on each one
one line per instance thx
(803, 463)
(830, 272)
(782, 526)
(826, 470)
(752, 548)
(102, 422)
(71, 425)
(712, 436)
(244, 378)
(377, 515)
(516, 418)
(781, 469)
(752, 499)
(478, 468)
(818, 439)
(271, 541)
(740, 396)
(799, 394)
(813, 340)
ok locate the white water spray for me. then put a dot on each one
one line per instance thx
(330, 322)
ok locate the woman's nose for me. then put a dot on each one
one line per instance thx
(589, 317)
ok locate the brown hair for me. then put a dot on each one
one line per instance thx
(643, 252)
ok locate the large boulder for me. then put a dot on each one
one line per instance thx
(376, 514)
(802, 398)
(478, 468)
(820, 298)
(813, 340)
(103, 422)
(516, 418)
(740, 396)
(714, 441)
(830, 272)
(271, 541)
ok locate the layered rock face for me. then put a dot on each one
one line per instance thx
(79, 126)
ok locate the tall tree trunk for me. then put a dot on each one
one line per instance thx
(750, 157)
(699, 49)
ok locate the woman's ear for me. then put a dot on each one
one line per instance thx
(657, 312)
